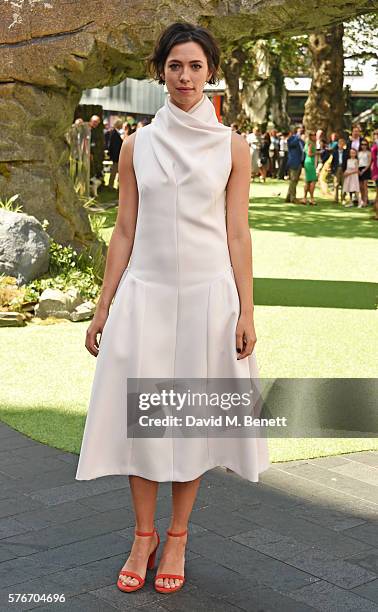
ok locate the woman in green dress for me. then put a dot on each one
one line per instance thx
(310, 169)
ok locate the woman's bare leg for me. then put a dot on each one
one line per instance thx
(311, 188)
(305, 190)
(173, 556)
(144, 494)
(364, 192)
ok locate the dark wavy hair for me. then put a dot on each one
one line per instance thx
(181, 32)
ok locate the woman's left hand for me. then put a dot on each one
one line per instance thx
(245, 335)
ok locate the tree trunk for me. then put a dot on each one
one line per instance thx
(324, 108)
(264, 95)
(232, 68)
(277, 106)
(255, 92)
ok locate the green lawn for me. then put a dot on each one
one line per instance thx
(315, 287)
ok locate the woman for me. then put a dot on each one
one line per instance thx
(323, 166)
(184, 306)
(264, 156)
(319, 137)
(364, 162)
(310, 169)
(126, 130)
(333, 141)
(351, 184)
(254, 142)
(274, 148)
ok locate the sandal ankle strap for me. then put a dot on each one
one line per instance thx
(181, 533)
(145, 533)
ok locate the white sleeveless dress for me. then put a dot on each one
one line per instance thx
(176, 307)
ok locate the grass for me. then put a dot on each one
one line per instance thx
(315, 287)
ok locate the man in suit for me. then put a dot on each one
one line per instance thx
(355, 140)
(115, 144)
(338, 167)
(295, 146)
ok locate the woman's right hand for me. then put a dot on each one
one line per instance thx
(96, 327)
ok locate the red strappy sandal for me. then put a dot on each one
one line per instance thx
(150, 565)
(162, 589)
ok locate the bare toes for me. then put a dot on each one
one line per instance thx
(129, 581)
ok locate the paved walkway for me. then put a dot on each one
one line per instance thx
(304, 538)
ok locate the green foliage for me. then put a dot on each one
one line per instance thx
(84, 282)
(9, 203)
(62, 258)
(98, 223)
(361, 38)
(87, 202)
(293, 54)
(290, 51)
(67, 269)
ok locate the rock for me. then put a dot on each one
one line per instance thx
(57, 303)
(24, 246)
(11, 319)
(84, 311)
(75, 296)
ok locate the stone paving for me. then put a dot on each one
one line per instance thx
(305, 538)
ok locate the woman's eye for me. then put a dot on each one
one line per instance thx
(173, 66)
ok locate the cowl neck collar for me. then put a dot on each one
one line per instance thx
(181, 140)
(202, 111)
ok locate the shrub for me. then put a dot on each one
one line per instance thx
(67, 269)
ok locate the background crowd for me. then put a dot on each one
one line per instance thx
(347, 163)
(114, 137)
(350, 161)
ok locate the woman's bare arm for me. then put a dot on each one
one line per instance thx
(121, 242)
(239, 239)
(120, 245)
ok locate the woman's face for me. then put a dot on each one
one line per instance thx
(185, 73)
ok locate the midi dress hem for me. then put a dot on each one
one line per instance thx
(188, 478)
